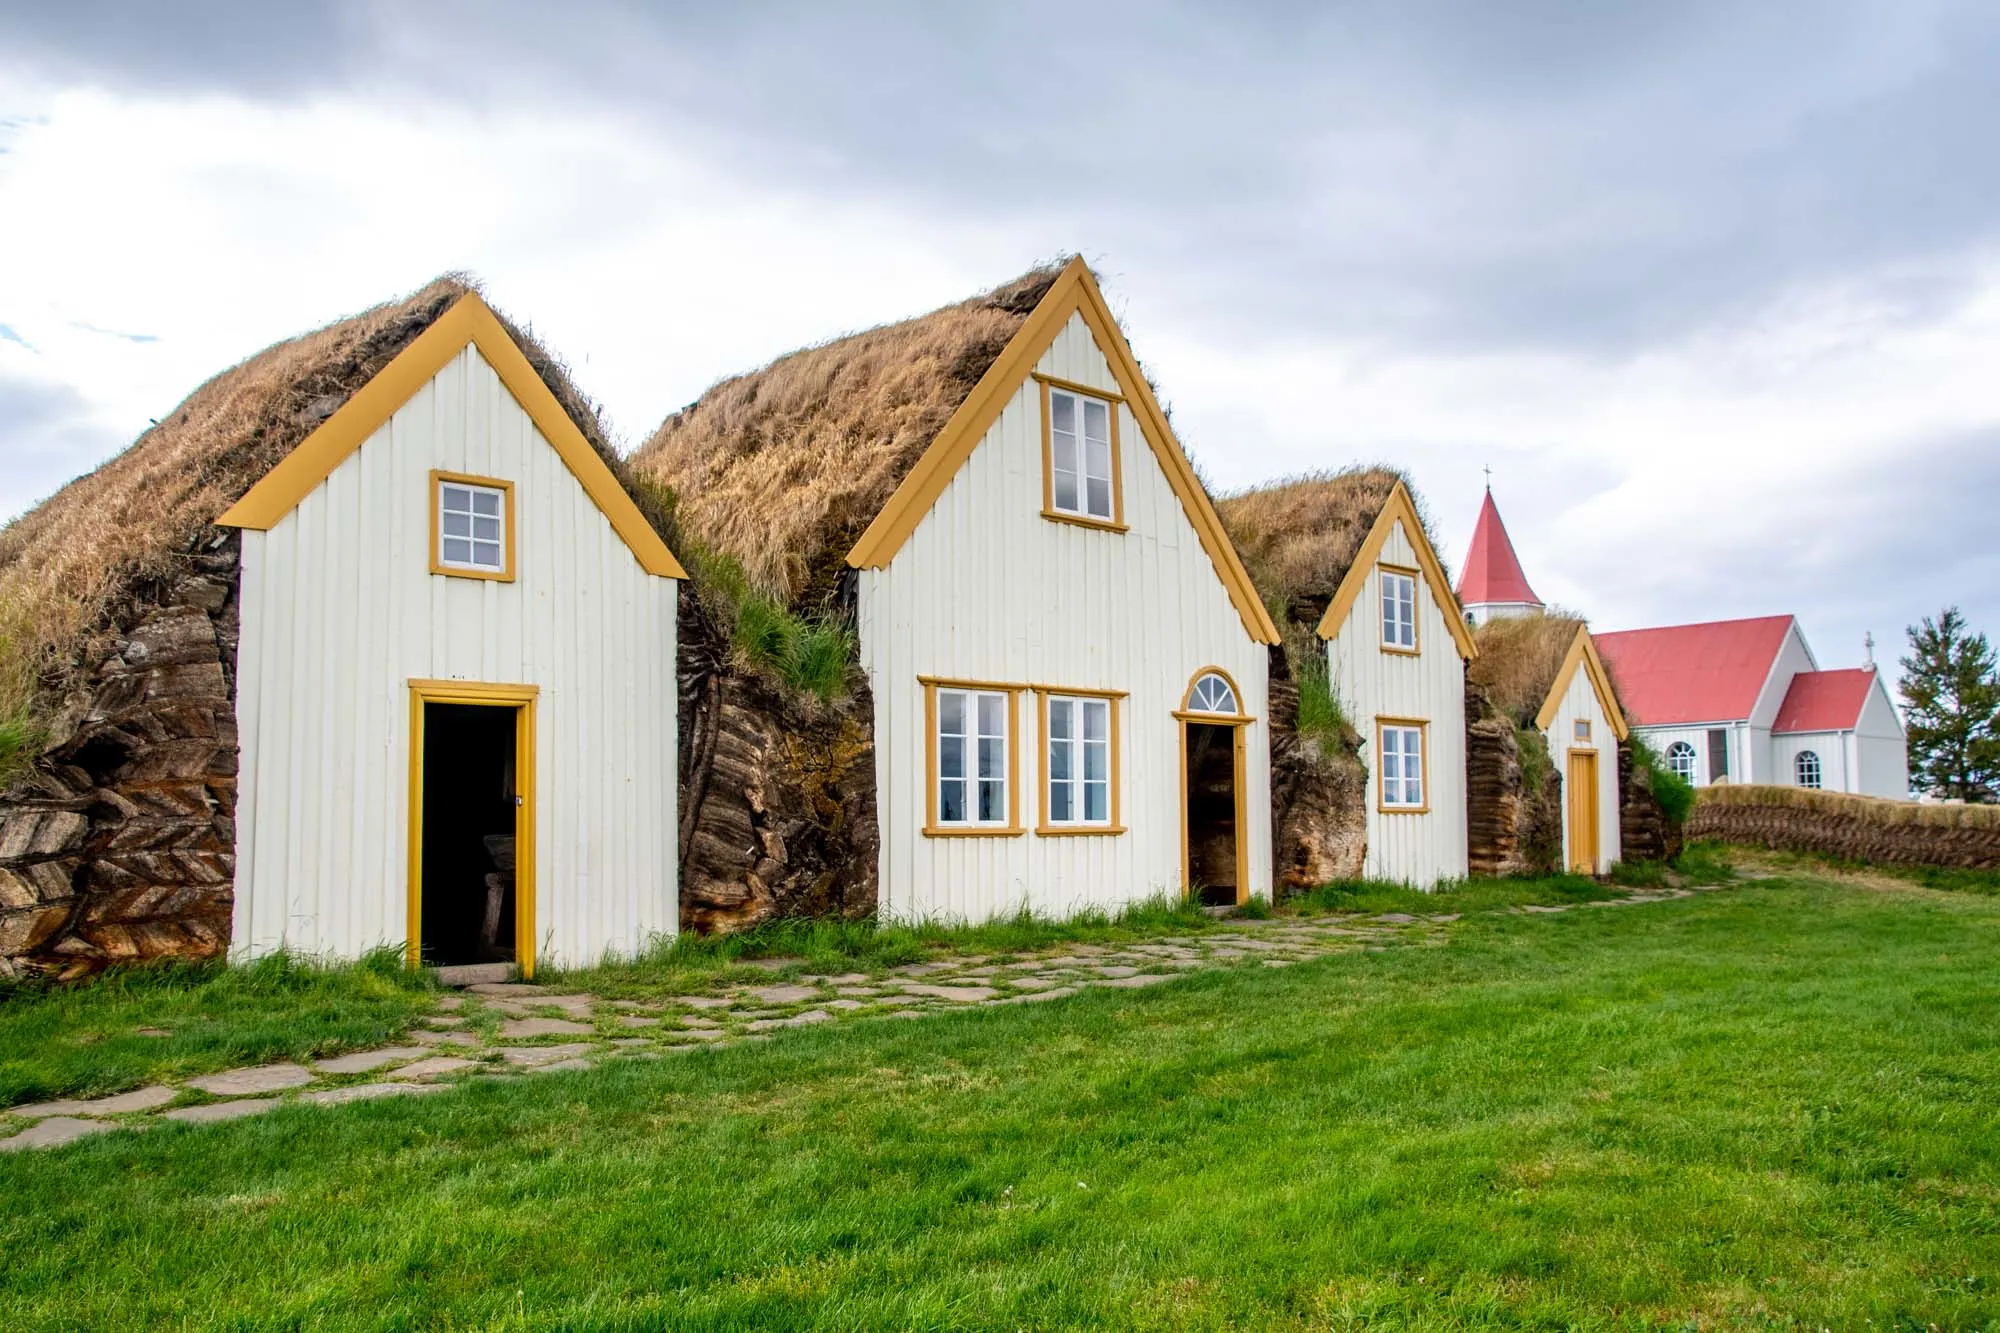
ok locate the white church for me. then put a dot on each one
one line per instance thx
(1728, 700)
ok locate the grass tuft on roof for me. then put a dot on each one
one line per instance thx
(68, 566)
(1299, 536)
(783, 468)
(1519, 658)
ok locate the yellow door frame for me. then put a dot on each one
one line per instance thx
(1583, 810)
(520, 698)
(1238, 723)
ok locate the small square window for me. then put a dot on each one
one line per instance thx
(472, 520)
(1581, 729)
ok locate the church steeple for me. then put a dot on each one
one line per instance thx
(1492, 583)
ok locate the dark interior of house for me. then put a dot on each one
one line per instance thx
(1211, 815)
(468, 832)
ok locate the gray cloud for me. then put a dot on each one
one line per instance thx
(1452, 175)
(47, 437)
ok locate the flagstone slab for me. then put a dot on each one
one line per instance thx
(54, 1132)
(806, 1019)
(261, 1078)
(445, 1038)
(544, 1027)
(1133, 983)
(1119, 971)
(559, 1067)
(771, 964)
(959, 994)
(141, 1099)
(445, 1021)
(1034, 983)
(214, 1111)
(637, 1021)
(532, 1056)
(362, 1062)
(845, 1004)
(368, 1092)
(785, 994)
(436, 1065)
(1059, 993)
(705, 1001)
(856, 992)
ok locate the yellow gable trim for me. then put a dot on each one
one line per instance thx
(1074, 292)
(469, 320)
(1398, 508)
(1583, 653)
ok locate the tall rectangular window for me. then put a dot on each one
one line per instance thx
(1082, 481)
(472, 520)
(972, 768)
(1400, 761)
(1399, 610)
(1079, 760)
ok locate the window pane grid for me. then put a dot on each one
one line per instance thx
(1079, 761)
(1681, 758)
(1211, 694)
(471, 527)
(972, 758)
(1080, 455)
(1399, 610)
(1807, 765)
(1402, 765)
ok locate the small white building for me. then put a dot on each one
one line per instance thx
(1583, 725)
(1066, 658)
(1745, 701)
(1397, 644)
(455, 686)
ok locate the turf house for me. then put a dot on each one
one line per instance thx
(1376, 648)
(1544, 749)
(368, 642)
(971, 637)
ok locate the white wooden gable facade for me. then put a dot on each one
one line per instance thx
(1396, 645)
(355, 619)
(1081, 635)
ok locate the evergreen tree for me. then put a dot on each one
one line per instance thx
(1951, 693)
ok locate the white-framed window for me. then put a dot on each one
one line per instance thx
(1079, 760)
(1080, 442)
(972, 767)
(1399, 610)
(1681, 759)
(1401, 761)
(1580, 731)
(1212, 694)
(471, 521)
(1806, 767)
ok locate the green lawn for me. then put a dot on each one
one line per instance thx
(1769, 1106)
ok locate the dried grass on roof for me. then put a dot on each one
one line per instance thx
(1299, 537)
(1519, 658)
(783, 468)
(67, 565)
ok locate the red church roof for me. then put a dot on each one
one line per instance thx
(1492, 572)
(1825, 700)
(1693, 673)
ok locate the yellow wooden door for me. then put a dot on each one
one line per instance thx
(1582, 780)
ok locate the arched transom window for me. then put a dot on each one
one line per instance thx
(1212, 694)
(1807, 768)
(1680, 758)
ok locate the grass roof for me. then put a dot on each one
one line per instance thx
(1299, 537)
(67, 565)
(1519, 658)
(783, 468)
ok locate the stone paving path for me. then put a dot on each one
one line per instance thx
(510, 1029)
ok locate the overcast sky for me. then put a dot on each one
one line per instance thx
(1713, 288)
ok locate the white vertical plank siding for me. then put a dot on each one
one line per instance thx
(1579, 703)
(988, 589)
(1416, 849)
(341, 612)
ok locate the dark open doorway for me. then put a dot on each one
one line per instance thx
(469, 800)
(1211, 812)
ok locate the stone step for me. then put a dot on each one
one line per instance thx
(475, 974)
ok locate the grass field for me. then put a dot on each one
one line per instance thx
(1769, 1106)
